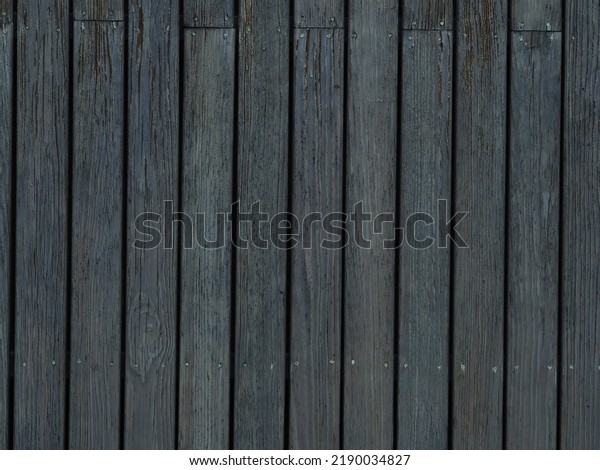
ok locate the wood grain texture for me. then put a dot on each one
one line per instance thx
(319, 13)
(209, 13)
(96, 307)
(478, 310)
(206, 273)
(533, 226)
(580, 398)
(114, 345)
(536, 15)
(6, 204)
(318, 180)
(152, 179)
(427, 14)
(424, 284)
(263, 177)
(104, 10)
(370, 179)
(41, 230)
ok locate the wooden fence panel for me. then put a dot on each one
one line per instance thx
(316, 285)
(153, 179)
(533, 228)
(580, 398)
(41, 227)
(424, 272)
(369, 302)
(478, 304)
(205, 328)
(97, 234)
(6, 205)
(260, 321)
(120, 122)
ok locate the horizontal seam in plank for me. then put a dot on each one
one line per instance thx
(331, 28)
(428, 29)
(536, 30)
(209, 27)
(90, 20)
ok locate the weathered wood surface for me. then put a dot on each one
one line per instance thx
(368, 353)
(427, 14)
(6, 204)
(103, 10)
(478, 307)
(209, 13)
(41, 227)
(319, 13)
(316, 286)
(208, 120)
(533, 237)
(98, 168)
(424, 273)
(580, 398)
(260, 321)
(153, 173)
(536, 15)
(489, 346)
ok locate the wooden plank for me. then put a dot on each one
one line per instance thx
(427, 14)
(206, 273)
(105, 10)
(98, 144)
(424, 284)
(580, 399)
(536, 15)
(533, 225)
(6, 202)
(316, 272)
(152, 180)
(319, 13)
(41, 230)
(209, 13)
(370, 180)
(261, 273)
(478, 309)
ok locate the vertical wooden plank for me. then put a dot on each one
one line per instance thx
(480, 190)
(6, 202)
(580, 400)
(319, 13)
(152, 180)
(105, 10)
(370, 180)
(209, 13)
(41, 244)
(206, 272)
(427, 14)
(316, 271)
(424, 291)
(533, 225)
(262, 177)
(97, 235)
(536, 15)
